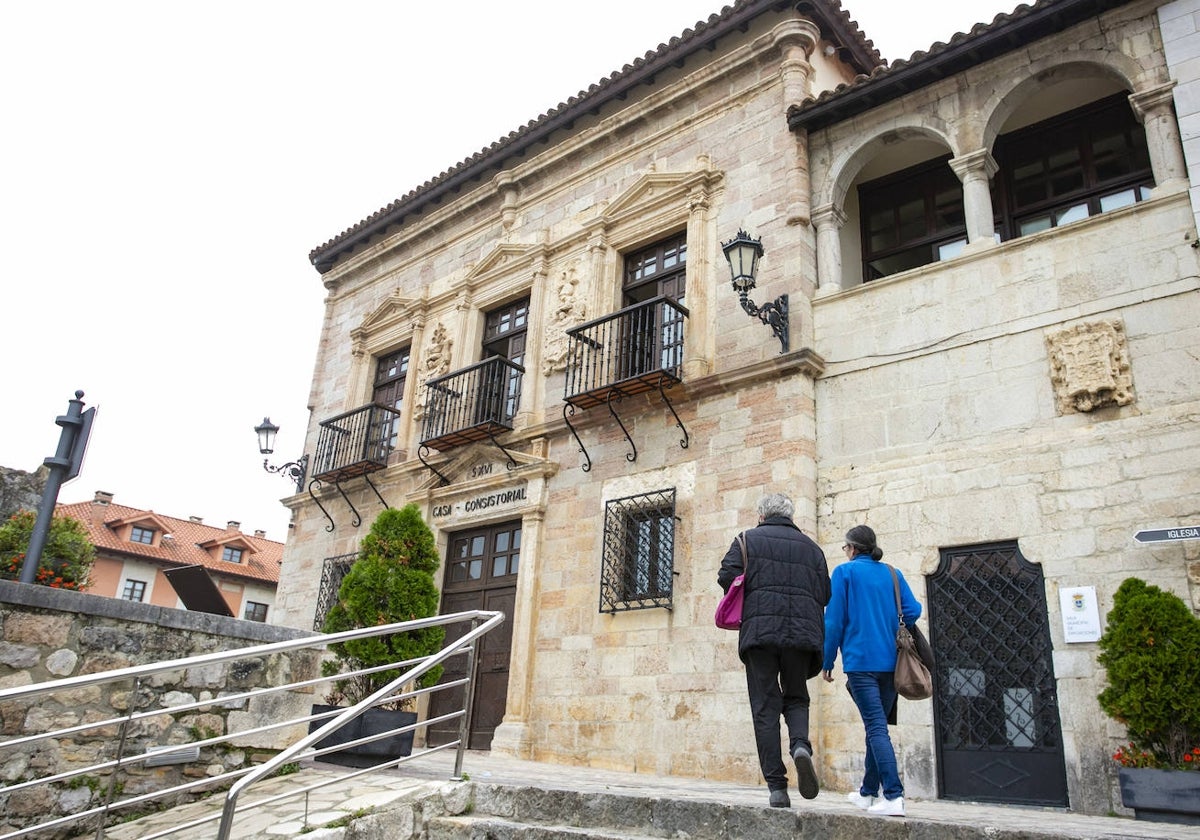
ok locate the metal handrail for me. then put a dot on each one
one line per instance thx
(483, 621)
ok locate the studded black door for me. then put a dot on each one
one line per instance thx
(995, 703)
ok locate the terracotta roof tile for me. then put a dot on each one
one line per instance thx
(1006, 32)
(835, 23)
(260, 561)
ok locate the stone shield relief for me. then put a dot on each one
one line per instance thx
(1089, 366)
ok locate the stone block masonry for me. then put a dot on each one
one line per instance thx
(48, 634)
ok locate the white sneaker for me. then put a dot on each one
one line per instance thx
(860, 801)
(888, 807)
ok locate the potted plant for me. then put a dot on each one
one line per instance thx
(1151, 651)
(391, 581)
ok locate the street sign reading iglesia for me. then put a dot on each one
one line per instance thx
(1189, 532)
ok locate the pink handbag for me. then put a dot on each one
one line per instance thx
(729, 610)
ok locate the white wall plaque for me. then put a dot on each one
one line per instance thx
(1080, 615)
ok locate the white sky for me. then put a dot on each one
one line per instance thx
(165, 168)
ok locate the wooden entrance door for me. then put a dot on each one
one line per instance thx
(481, 573)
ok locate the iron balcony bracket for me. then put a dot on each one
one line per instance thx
(630, 456)
(311, 484)
(371, 484)
(662, 393)
(421, 455)
(568, 413)
(357, 519)
(511, 461)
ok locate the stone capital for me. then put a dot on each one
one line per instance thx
(828, 216)
(977, 164)
(1152, 100)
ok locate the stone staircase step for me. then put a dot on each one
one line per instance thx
(496, 828)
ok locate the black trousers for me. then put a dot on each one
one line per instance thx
(777, 680)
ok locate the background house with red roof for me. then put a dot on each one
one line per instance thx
(135, 548)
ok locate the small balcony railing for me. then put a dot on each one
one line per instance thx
(638, 349)
(635, 350)
(355, 443)
(472, 404)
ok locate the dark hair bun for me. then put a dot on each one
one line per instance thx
(863, 540)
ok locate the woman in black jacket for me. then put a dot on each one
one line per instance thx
(781, 638)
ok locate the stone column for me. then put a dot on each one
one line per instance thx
(512, 736)
(828, 220)
(700, 327)
(975, 170)
(1153, 108)
(796, 40)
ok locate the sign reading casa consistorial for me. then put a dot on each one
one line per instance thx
(499, 500)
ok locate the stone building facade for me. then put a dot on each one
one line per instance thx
(987, 253)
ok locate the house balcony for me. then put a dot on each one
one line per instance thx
(469, 405)
(355, 443)
(638, 349)
(632, 351)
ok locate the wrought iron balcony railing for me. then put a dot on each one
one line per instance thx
(475, 403)
(638, 349)
(469, 405)
(635, 350)
(355, 443)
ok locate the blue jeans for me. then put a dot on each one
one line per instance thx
(874, 692)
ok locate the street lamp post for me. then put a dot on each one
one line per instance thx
(72, 445)
(743, 254)
(295, 470)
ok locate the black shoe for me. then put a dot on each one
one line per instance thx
(806, 772)
(780, 799)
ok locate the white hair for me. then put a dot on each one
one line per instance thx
(776, 504)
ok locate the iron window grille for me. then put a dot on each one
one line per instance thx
(333, 571)
(638, 565)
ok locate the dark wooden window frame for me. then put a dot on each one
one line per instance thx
(1081, 127)
(133, 587)
(144, 536)
(391, 375)
(923, 182)
(232, 555)
(255, 611)
(657, 269)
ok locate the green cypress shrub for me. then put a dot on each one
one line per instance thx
(1151, 650)
(391, 581)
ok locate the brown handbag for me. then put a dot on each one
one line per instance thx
(913, 678)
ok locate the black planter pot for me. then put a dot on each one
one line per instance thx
(1161, 795)
(371, 722)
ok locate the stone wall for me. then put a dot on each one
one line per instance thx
(48, 634)
(20, 490)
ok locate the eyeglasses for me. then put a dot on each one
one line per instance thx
(847, 547)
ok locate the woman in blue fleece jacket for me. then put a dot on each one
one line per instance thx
(861, 620)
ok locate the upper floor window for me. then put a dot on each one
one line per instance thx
(134, 590)
(504, 335)
(141, 535)
(255, 611)
(911, 218)
(1072, 166)
(231, 555)
(391, 372)
(639, 552)
(1081, 163)
(656, 270)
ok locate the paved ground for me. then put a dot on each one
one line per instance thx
(291, 817)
